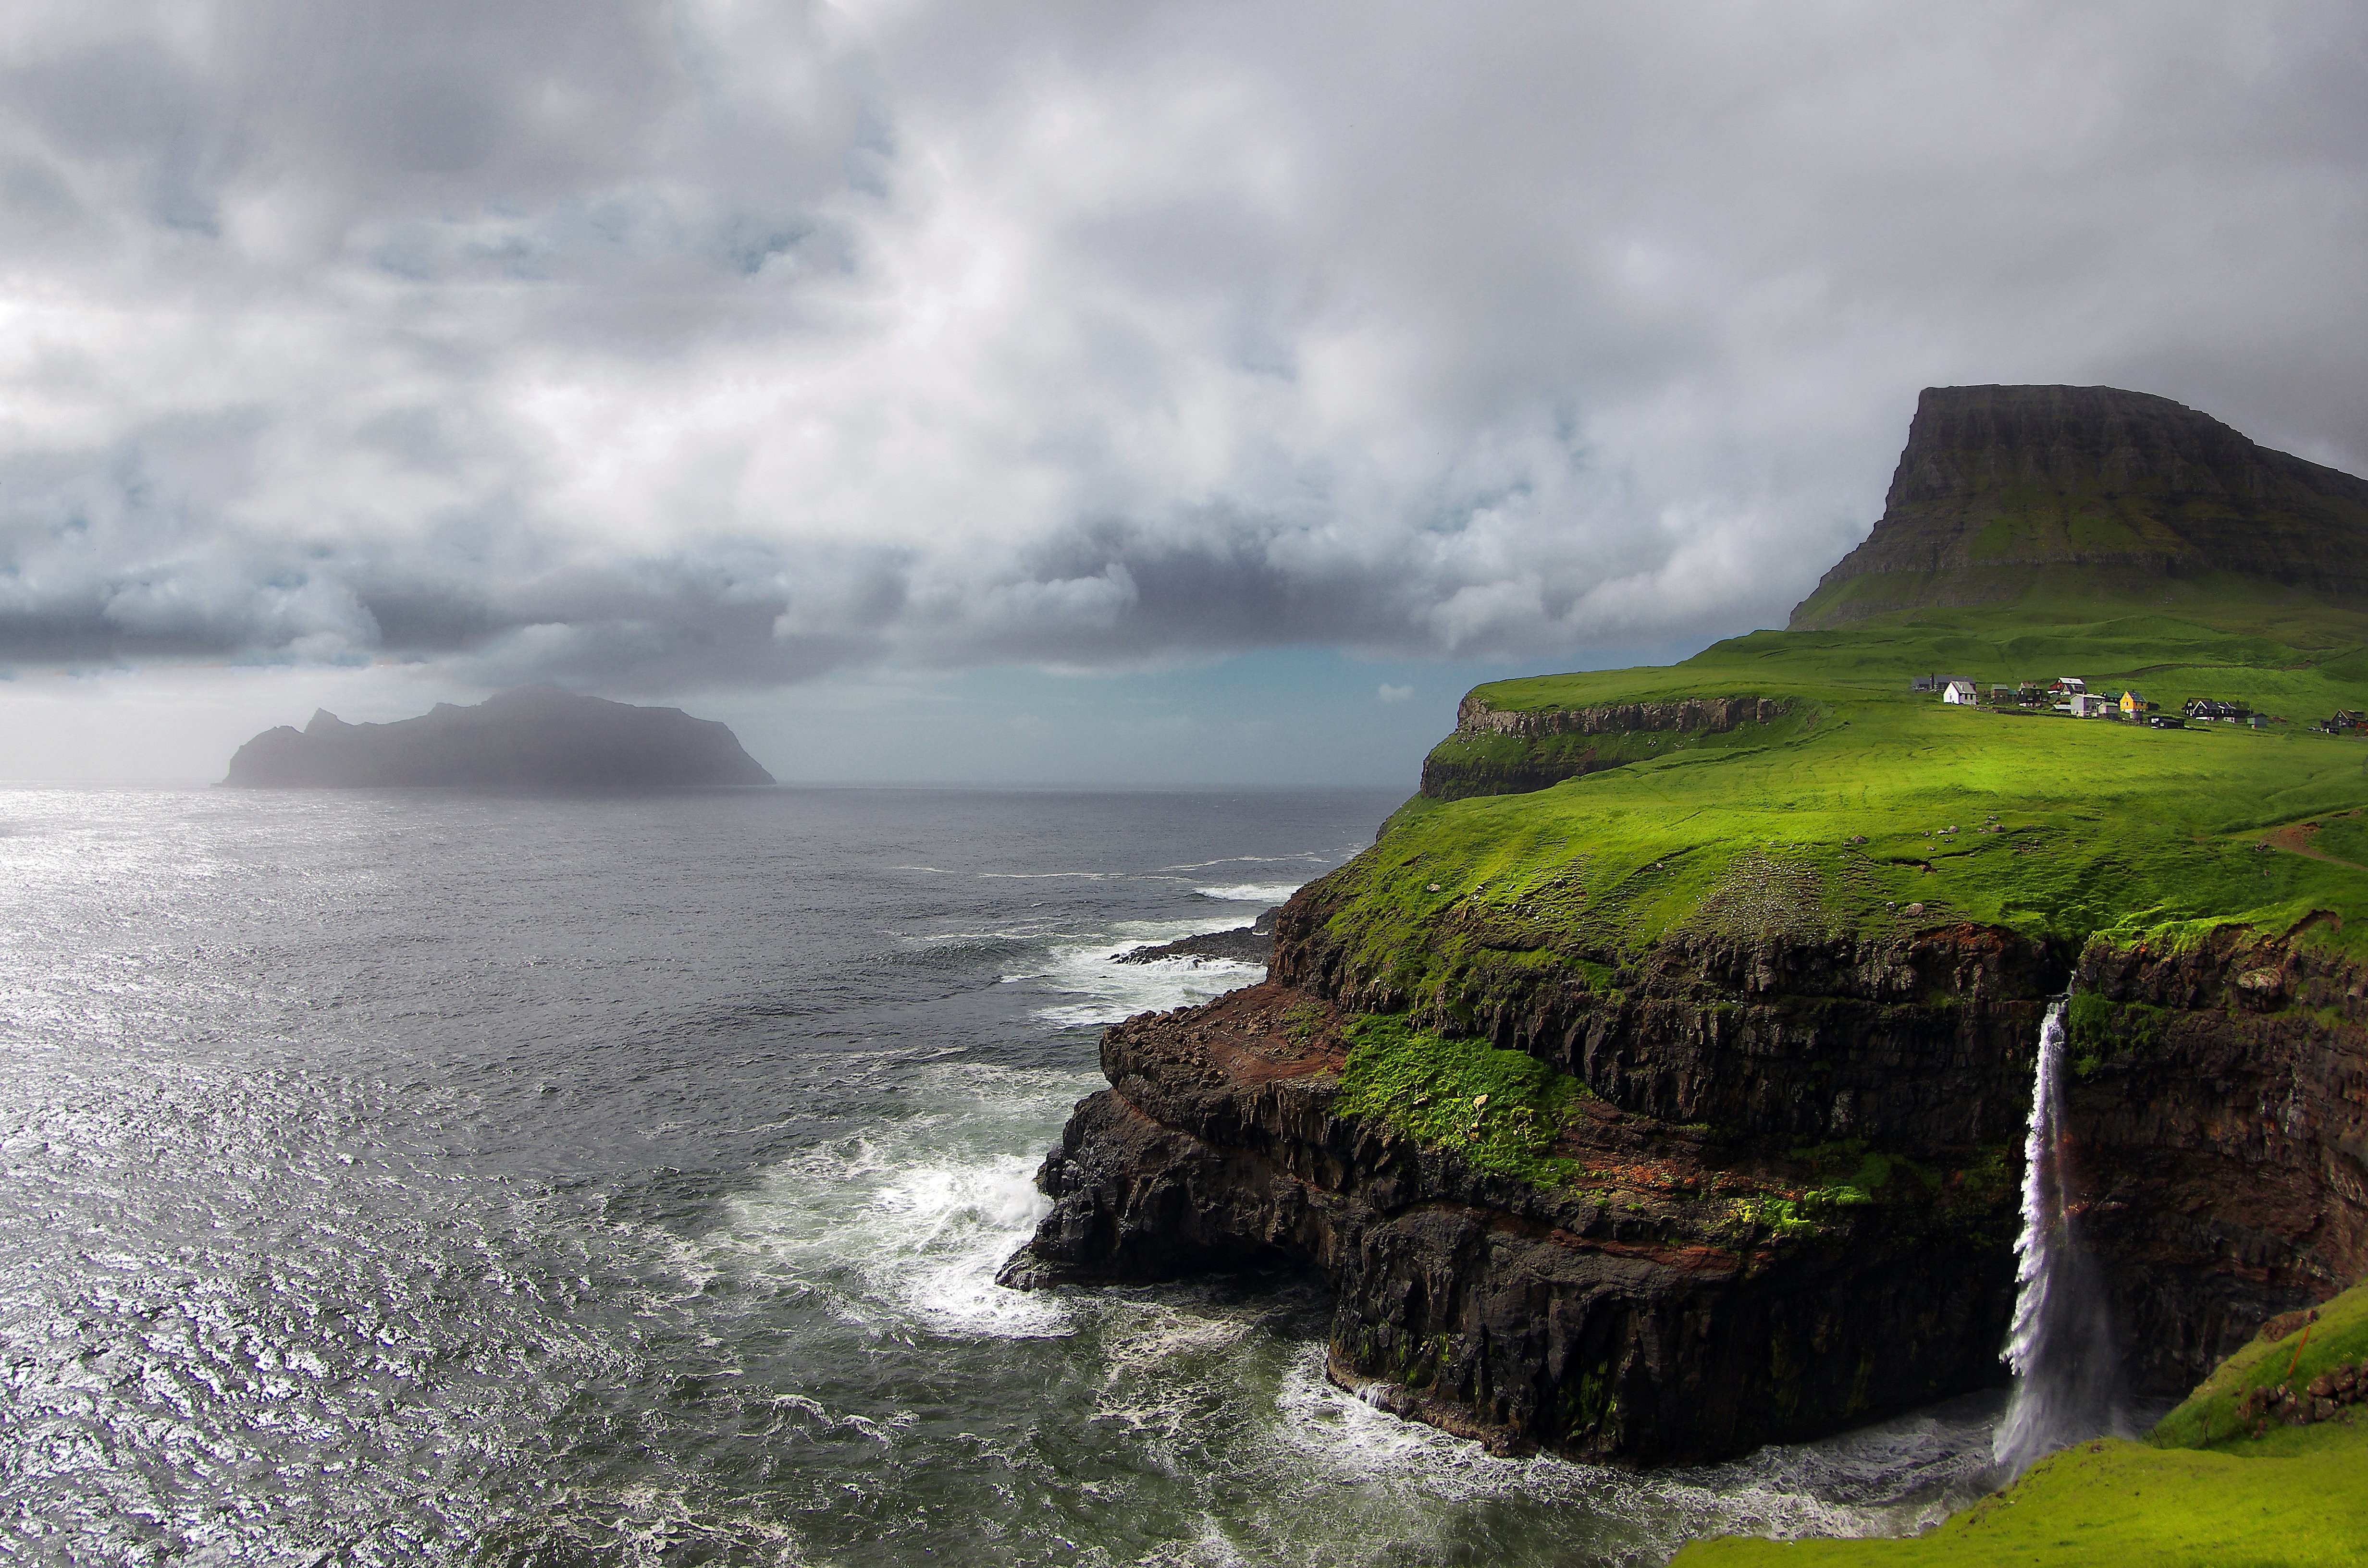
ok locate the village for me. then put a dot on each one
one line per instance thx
(2070, 695)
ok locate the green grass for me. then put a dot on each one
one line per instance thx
(2197, 1493)
(2142, 835)
(2109, 1503)
(2209, 1418)
(1500, 1110)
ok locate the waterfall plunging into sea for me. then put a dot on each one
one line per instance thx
(2062, 1345)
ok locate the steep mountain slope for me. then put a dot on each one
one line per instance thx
(2025, 495)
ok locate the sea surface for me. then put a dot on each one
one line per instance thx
(437, 1177)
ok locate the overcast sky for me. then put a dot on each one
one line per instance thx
(1100, 392)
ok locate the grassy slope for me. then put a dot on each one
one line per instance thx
(2296, 1497)
(2106, 826)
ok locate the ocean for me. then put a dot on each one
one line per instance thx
(440, 1178)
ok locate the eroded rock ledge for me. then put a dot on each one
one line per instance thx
(1637, 1320)
(1717, 715)
(1560, 745)
(1652, 1310)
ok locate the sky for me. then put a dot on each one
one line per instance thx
(1103, 393)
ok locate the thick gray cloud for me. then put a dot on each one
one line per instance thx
(664, 346)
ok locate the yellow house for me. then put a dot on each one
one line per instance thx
(2132, 705)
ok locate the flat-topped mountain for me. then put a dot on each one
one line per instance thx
(2040, 493)
(534, 736)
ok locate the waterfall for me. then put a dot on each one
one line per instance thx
(2061, 1347)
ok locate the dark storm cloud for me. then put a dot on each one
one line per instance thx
(652, 345)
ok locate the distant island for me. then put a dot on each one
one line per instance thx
(535, 736)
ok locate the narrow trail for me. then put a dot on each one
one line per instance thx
(2294, 839)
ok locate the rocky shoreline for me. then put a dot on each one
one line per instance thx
(1634, 1323)
(1253, 943)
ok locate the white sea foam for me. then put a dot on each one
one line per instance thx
(912, 1219)
(1107, 990)
(1251, 892)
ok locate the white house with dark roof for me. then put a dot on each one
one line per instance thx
(1961, 691)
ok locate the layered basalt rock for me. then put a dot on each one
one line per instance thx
(1446, 776)
(1474, 716)
(1678, 1302)
(1923, 1040)
(1687, 1299)
(2220, 1114)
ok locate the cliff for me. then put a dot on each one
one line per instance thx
(531, 736)
(1510, 752)
(1672, 1102)
(1669, 1291)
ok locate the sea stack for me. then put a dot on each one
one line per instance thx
(530, 737)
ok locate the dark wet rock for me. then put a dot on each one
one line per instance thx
(1244, 944)
(2221, 1130)
(1637, 1322)
(2217, 1128)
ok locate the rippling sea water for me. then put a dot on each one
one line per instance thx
(434, 1177)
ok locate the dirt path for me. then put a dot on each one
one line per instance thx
(2295, 838)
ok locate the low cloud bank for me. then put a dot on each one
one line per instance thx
(660, 348)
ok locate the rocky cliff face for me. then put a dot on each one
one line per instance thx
(2221, 1117)
(1704, 1289)
(1997, 485)
(1921, 1043)
(1452, 771)
(1639, 1321)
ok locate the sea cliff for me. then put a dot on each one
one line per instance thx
(1655, 1086)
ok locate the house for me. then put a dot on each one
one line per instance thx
(2133, 706)
(2090, 705)
(1960, 692)
(1923, 683)
(2068, 686)
(2212, 707)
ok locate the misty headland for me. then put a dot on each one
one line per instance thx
(535, 736)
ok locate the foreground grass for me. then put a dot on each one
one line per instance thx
(2197, 1493)
(2112, 1502)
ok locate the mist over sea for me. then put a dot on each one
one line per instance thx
(444, 1177)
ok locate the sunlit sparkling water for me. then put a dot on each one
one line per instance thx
(454, 1178)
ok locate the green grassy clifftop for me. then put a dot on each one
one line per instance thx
(1872, 812)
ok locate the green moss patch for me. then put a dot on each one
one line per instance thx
(1501, 1110)
(2199, 1493)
